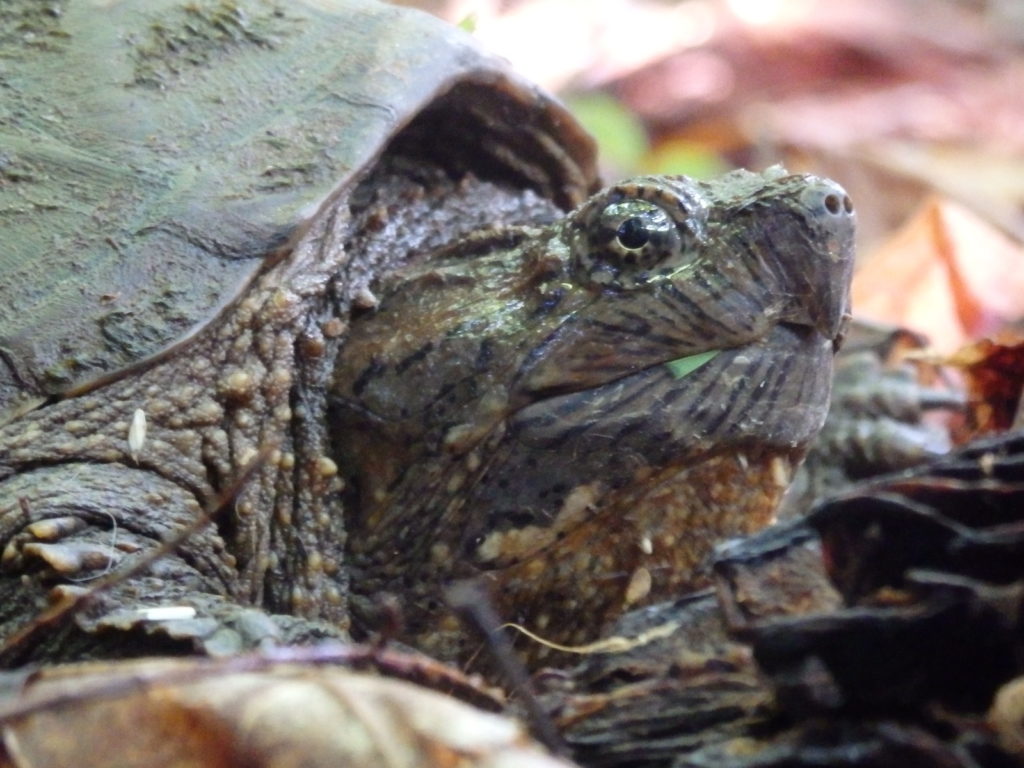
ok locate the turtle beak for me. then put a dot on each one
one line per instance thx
(822, 285)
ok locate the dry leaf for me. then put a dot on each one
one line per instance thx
(948, 274)
(188, 712)
(994, 372)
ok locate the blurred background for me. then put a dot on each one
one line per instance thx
(915, 106)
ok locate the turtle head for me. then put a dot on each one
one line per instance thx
(683, 267)
(577, 412)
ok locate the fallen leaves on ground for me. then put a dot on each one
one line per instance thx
(947, 273)
(212, 714)
(994, 372)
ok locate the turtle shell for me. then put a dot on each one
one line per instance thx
(154, 152)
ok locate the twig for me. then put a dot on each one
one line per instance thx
(470, 600)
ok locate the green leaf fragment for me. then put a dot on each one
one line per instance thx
(686, 157)
(620, 134)
(684, 366)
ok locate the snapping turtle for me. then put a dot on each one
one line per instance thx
(339, 248)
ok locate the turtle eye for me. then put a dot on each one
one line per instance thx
(632, 233)
(633, 236)
(627, 241)
(638, 223)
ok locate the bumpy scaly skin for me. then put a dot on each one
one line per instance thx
(505, 411)
(75, 503)
(526, 429)
(209, 410)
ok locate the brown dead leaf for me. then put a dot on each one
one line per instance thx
(947, 273)
(189, 712)
(994, 372)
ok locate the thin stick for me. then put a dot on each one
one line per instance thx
(470, 600)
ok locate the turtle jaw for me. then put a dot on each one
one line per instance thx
(582, 505)
(642, 543)
(652, 479)
(767, 396)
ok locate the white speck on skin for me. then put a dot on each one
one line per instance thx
(639, 586)
(364, 298)
(137, 434)
(781, 472)
(168, 613)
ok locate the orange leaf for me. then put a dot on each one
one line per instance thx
(947, 273)
(994, 372)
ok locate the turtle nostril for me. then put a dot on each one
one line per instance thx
(837, 203)
(823, 197)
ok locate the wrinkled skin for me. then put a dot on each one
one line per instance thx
(527, 424)
(506, 410)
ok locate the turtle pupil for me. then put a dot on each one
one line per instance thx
(632, 233)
